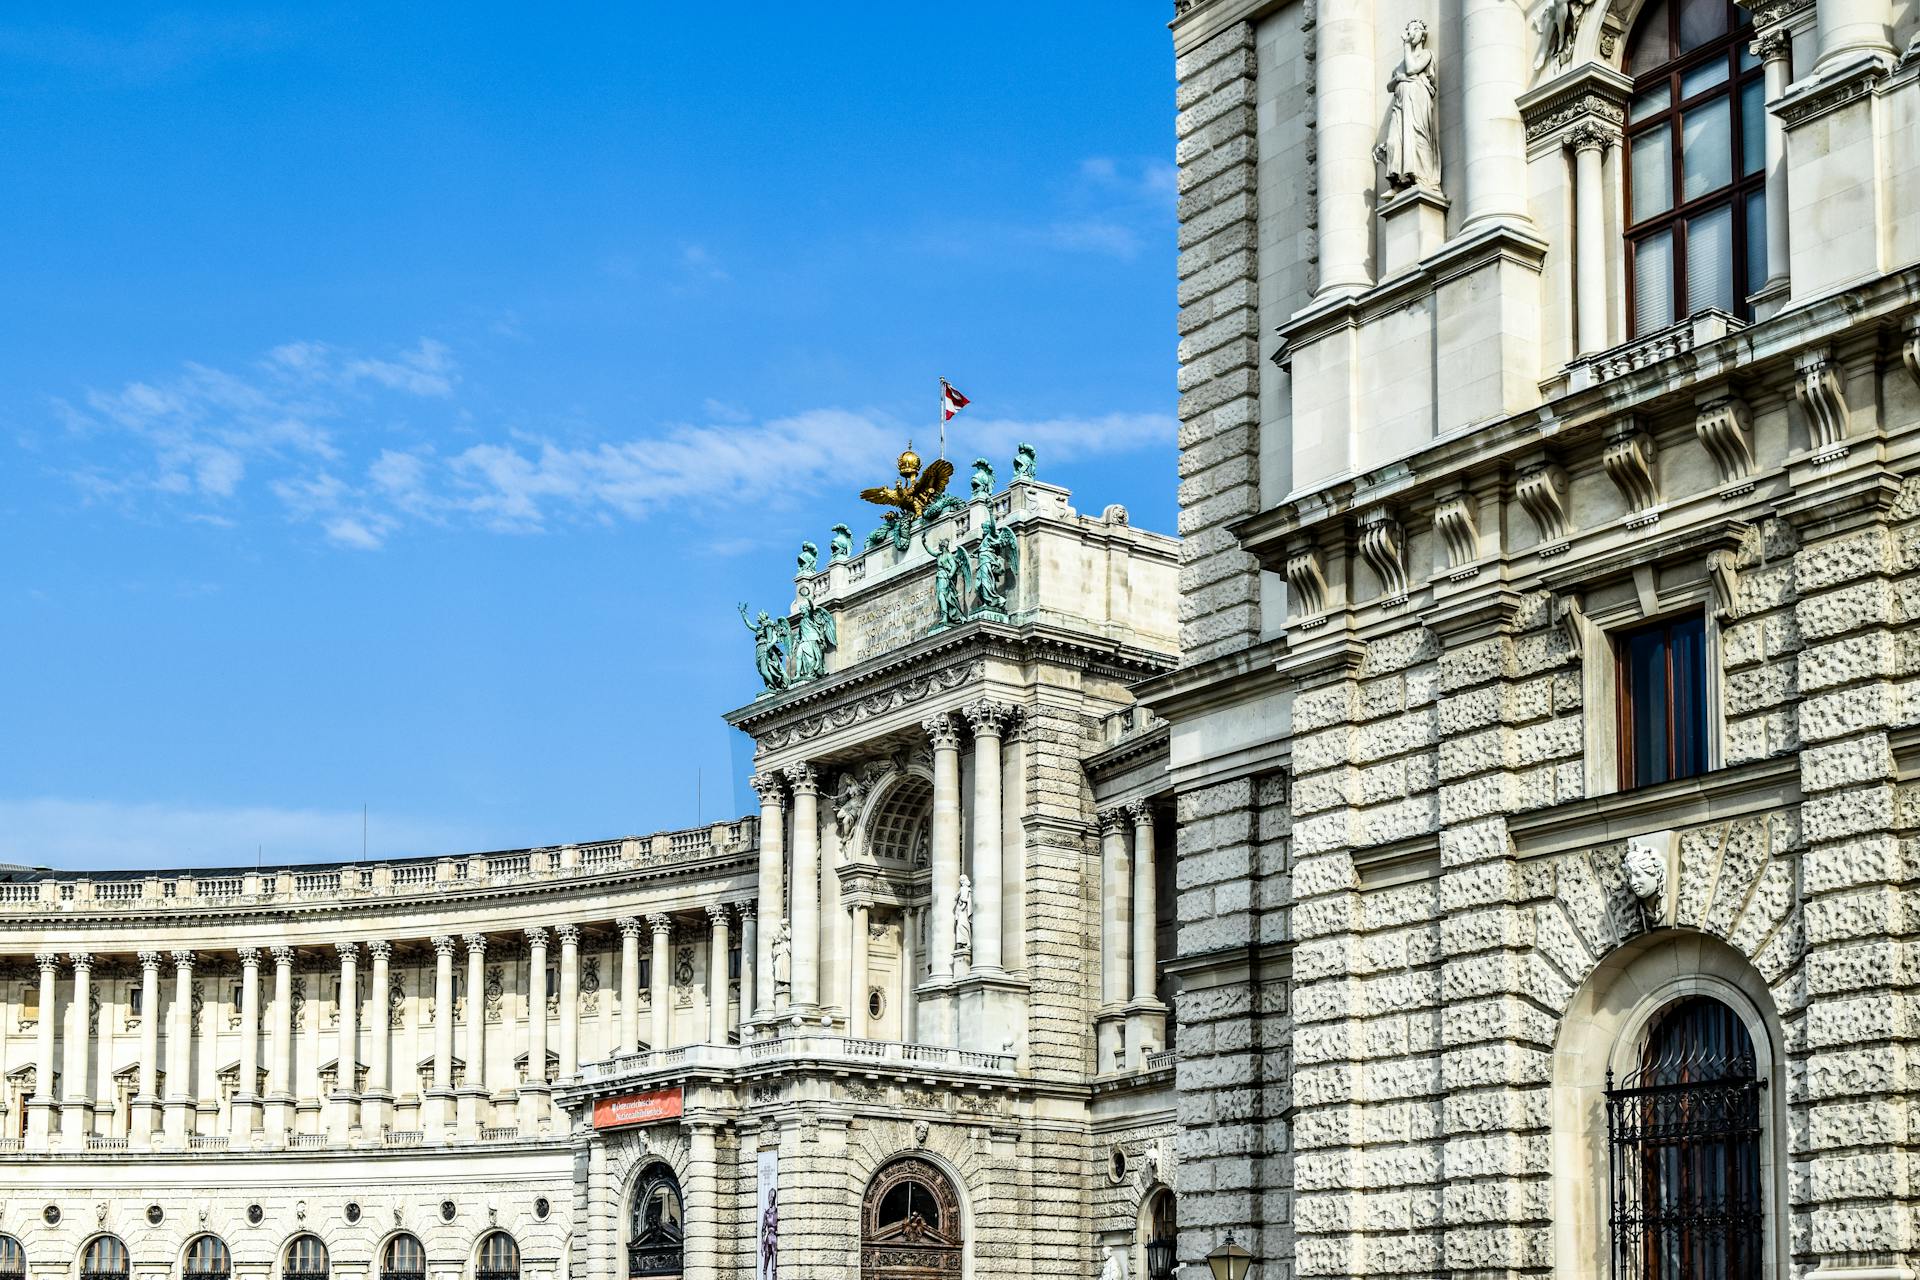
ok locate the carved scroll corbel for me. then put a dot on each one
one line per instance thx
(1723, 575)
(1630, 460)
(1541, 488)
(1725, 428)
(1816, 383)
(1453, 521)
(1384, 546)
(1306, 582)
(1571, 620)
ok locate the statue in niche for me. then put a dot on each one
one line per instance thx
(1646, 869)
(782, 955)
(771, 640)
(817, 633)
(1023, 462)
(840, 546)
(1114, 1264)
(952, 578)
(1555, 28)
(1411, 152)
(846, 804)
(996, 561)
(809, 557)
(982, 478)
(963, 917)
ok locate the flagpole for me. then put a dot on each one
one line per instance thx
(943, 417)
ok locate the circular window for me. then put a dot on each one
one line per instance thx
(353, 1211)
(1117, 1166)
(155, 1214)
(255, 1213)
(541, 1208)
(52, 1214)
(876, 1002)
(447, 1210)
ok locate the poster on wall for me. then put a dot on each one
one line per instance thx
(636, 1108)
(768, 1267)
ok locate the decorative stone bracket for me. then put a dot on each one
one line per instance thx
(1816, 382)
(1541, 488)
(1384, 545)
(1571, 620)
(1630, 459)
(1725, 428)
(1307, 583)
(1910, 349)
(1454, 523)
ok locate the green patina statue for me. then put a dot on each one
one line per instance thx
(982, 478)
(809, 557)
(951, 582)
(816, 634)
(771, 640)
(1023, 462)
(841, 545)
(996, 561)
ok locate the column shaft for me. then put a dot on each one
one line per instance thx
(77, 1109)
(772, 907)
(374, 1104)
(147, 1100)
(346, 1056)
(749, 958)
(245, 1117)
(988, 720)
(659, 993)
(718, 937)
(1146, 962)
(40, 1117)
(438, 1111)
(806, 886)
(180, 1100)
(1494, 74)
(1851, 29)
(702, 1245)
(1777, 49)
(629, 984)
(473, 1092)
(1347, 109)
(280, 1045)
(569, 1000)
(534, 1092)
(1590, 240)
(944, 877)
(909, 973)
(857, 975)
(1116, 907)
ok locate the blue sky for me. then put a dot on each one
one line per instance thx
(396, 400)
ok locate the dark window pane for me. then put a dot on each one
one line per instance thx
(1701, 21)
(1647, 680)
(1689, 697)
(1706, 149)
(1756, 241)
(1651, 45)
(1698, 80)
(1656, 98)
(1652, 173)
(1710, 260)
(1653, 282)
(1753, 126)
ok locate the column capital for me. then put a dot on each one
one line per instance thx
(772, 790)
(443, 945)
(1590, 136)
(349, 951)
(942, 732)
(249, 957)
(49, 961)
(476, 944)
(717, 914)
(1140, 812)
(380, 949)
(150, 960)
(803, 779)
(985, 716)
(745, 910)
(569, 934)
(536, 936)
(661, 924)
(282, 955)
(1114, 819)
(629, 926)
(1772, 46)
(183, 960)
(80, 960)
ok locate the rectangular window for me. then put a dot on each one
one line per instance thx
(136, 997)
(1653, 282)
(1662, 680)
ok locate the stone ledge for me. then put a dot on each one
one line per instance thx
(1762, 786)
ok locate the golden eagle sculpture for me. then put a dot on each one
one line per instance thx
(917, 488)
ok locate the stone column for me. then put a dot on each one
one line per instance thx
(909, 974)
(534, 1093)
(629, 984)
(806, 885)
(772, 888)
(659, 992)
(1116, 907)
(1590, 142)
(1852, 31)
(245, 1117)
(717, 981)
(280, 1047)
(1348, 104)
(375, 1103)
(180, 1100)
(1494, 72)
(701, 1257)
(569, 935)
(104, 1090)
(472, 1093)
(77, 1107)
(40, 1107)
(146, 1101)
(944, 877)
(749, 957)
(438, 1111)
(1775, 50)
(987, 719)
(857, 971)
(1146, 961)
(343, 1111)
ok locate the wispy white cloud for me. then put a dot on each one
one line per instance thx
(61, 833)
(309, 426)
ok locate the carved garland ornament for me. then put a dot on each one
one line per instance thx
(903, 694)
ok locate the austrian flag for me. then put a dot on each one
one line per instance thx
(951, 401)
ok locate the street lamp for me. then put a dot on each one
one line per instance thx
(1230, 1261)
(1159, 1259)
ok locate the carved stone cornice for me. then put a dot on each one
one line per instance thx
(906, 693)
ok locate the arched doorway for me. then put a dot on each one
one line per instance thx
(910, 1224)
(1683, 1130)
(1159, 1234)
(657, 1227)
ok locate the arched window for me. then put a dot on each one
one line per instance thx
(306, 1259)
(1162, 1231)
(104, 1258)
(910, 1225)
(499, 1258)
(657, 1225)
(1696, 171)
(207, 1259)
(1684, 1130)
(13, 1259)
(404, 1258)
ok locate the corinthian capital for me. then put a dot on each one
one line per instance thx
(150, 960)
(536, 936)
(49, 961)
(942, 732)
(282, 955)
(249, 957)
(803, 778)
(629, 926)
(349, 952)
(569, 935)
(443, 945)
(476, 944)
(380, 949)
(183, 960)
(81, 960)
(1114, 819)
(1588, 136)
(717, 914)
(986, 716)
(772, 790)
(662, 925)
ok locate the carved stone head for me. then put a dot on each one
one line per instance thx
(1646, 868)
(1416, 33)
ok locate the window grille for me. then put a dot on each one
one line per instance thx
(105, 1258)
(1684, 1134)
(499, 1258)
(306, 1259)
(208, 1259)
(405, 1258)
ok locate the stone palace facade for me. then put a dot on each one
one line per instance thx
(1546, 742)
(907, 1021)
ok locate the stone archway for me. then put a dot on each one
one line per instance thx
(656, 1223)
(911, 1224)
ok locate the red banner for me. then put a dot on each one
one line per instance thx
(636, 1108)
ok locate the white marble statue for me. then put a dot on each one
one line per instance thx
(963, 916)
(1411, 151)
(1114, 1265)
(782, 955)
(1646, 871)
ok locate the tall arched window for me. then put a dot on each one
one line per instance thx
(1684, 1129)
(207, 1259)
(13, 1259)
(404, 1258)
(104, 1258)
(306, 1259)
(910, 1225)
(499, 1258)
(656, 1227)
(1161, 1227)
(1696, 172)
